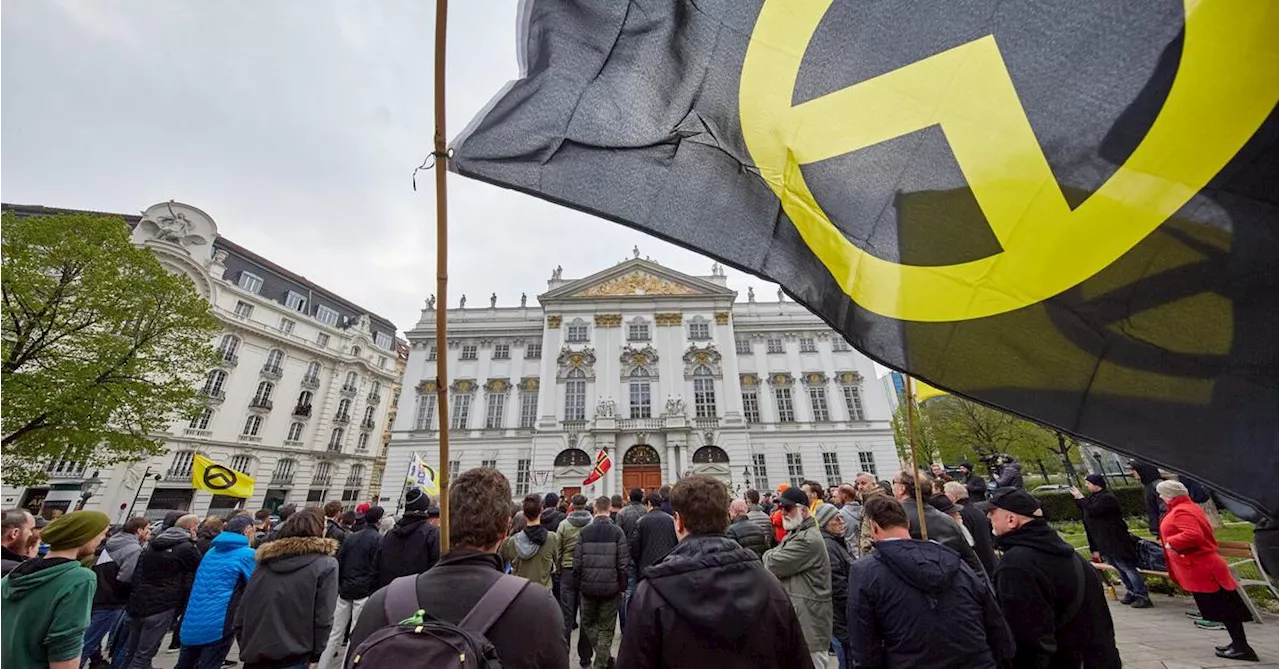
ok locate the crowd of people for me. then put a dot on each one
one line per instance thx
(801, 576)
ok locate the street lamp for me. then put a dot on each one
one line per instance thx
(746, 478)
(88, 488)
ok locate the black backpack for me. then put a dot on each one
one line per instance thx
(421, 640)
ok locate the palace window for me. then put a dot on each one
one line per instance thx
(495, 411)
(213, 383)
(295, 432)
(742, 346)
(641, 402)
(795, 469)
(831, 463)
(251, 426)
(201, 421)
(751, 406)
(699, 329)
(704, 392)
(759, 471)
(528, 408)
(502, 351)
(808, 345)
(460, 411)
(522, 478)
(867, 462)
(786, 411)
(818, 402)
(533, 350)
(286, 326)
(575, 396)
(853, 402)
(839, 345)
(470, 352)
(638, 330)
(774, 345)
(425, 412)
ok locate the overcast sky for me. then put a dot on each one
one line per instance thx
(296, 125)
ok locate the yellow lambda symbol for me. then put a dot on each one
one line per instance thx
(1225, 87)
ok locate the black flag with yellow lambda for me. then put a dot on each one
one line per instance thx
(1064, 209)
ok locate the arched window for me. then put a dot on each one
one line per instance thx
(704, 392)
(362, 443)
(375, 389)
(275, 360)
(641, 401)
(710, 454)
(355, 477)
(368, 416)
(304, 398)
(344, 409)
(263, 394)
(243, 463)
(202, 420)
(313, 372)
(353, 380)
(355, 350)
(575, 395)
(295, 432)
(252, 425)
(573, 457)
(335, 439)
(228, 347)
(214, 382)
(284, 470)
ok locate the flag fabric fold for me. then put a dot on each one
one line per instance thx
(603, 465)
(1065, 210)
(422, 475)
(211, 477)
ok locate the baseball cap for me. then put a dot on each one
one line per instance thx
(792, 497)
(1016, 500)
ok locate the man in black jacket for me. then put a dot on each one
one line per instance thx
(18, 525)
(161, 582)
(630, 515)
(831, 522)
(333, 515)
(941, 527)
(975, 484)
(976, 522)
(413, 545)
(654, 536)
(742, 530)
(914, 603)
(710, 602)
(1109, 538)
(357, 579)
(1051, 597)
(531, 631)
(1149, 475)
(600, 576)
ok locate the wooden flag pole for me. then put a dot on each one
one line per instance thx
(440, 151)
(915, 462)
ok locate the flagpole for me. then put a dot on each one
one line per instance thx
(915, 466)
(440, 151)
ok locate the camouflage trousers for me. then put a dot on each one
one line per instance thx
(599, 620)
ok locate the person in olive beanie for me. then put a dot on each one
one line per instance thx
(47, 600)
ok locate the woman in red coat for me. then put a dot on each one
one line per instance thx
(1191, 552)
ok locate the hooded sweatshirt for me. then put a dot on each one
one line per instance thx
(532, 553)
(711, 603)
(46, 612)
(411, 547)
(569, 531)
(164, 573)
(289, 603)
(916, 603)
(114, 570)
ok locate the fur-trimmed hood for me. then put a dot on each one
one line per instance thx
(294, 553)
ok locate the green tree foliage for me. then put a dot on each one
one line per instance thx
(951, 429)
(102, 347)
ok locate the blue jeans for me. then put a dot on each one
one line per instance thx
(840, 654)
(101, 623)
(1133, 583)
(207, 656)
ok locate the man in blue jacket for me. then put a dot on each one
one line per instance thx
(225, 570)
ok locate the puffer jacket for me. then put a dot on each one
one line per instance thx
(711, 603)
(600, 560)
(533, 553)
(216, 594)
(841, 560)
(569, 530)
(629, 516)
(162, 579)
(358, 564)
(411, 547)
(654, 537)
(748, 534)
(1010, 475)
(916, 604)
(801, 564)
(761, 519)
(1191, 550)
(289, 603)
(116, 564)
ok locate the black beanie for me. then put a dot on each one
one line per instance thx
(550, 501)
(415, 501)
(373, 515)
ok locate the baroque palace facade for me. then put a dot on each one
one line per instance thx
(668, 373)
(300, 398)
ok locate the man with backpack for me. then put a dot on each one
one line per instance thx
(471, 602)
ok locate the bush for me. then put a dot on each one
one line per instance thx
(1062, 506)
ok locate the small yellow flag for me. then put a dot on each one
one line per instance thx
(220, 480)
(925, 391)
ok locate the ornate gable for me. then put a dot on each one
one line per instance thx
(635, 278)
(636, 283)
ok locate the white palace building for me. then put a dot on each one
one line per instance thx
(669, 373)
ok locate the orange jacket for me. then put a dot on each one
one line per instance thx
(778, 531)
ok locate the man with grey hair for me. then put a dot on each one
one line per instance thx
(976, 522)
(17, 526)
(161, 582)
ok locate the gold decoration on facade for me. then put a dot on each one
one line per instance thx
(608, 320)
(849, 378)
(463, 386)
(636, 283)
(781, 380)
(750, 380)
(529, 383)
(497, 386)
(815, 379)
(722, 318)
(553, 322)
(673, 319)
(426, 386)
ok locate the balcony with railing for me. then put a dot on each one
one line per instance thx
(374, 398)
(321, 480)
(367, 424)
(229, 359)
(348, 390)
(645, 424)
(65, 469)
(260, 403)
(282, 478)
(342, 418)
(311, 382)
(706, 423)
(355, 481)
(302, 411)
(197, 432)
(575, 425)
(273, 372)
(178, 473)
(214, 396)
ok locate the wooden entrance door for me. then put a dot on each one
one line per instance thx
(645, 477)
(568, 492)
